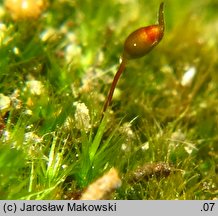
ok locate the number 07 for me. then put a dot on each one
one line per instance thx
(208, 206)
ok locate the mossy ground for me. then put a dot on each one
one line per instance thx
(52, 144)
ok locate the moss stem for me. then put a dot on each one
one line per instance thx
(113, 85)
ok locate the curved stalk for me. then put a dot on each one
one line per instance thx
(138, 43)
(113, 85)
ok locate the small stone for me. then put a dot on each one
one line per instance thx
(35, 87)
(25, 9)
(5, 104)
(188, 76)
(102, 187)
(82, 117)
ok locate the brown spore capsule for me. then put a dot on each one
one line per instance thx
(142, 40)
(137, 44)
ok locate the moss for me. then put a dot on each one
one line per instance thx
(52, 142)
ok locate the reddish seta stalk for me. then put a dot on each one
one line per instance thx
(114, 83)
(138, 43)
